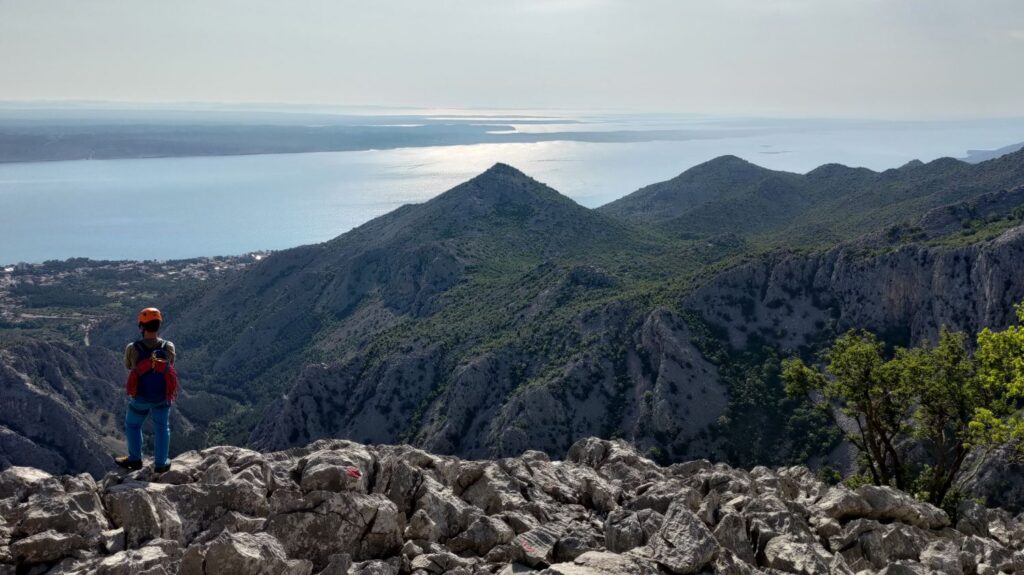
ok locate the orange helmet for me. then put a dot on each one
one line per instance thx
(149, 314)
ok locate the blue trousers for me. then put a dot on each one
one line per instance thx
(135, 416)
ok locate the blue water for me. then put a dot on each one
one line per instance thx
(186, 207)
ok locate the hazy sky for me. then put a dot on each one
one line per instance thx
(921, 58)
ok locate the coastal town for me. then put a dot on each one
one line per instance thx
(69, 297)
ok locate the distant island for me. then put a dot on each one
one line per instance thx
(38, 135)
(975, 156)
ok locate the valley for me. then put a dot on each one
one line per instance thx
(548, 287)
(501, 316)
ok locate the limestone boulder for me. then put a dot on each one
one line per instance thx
(603, 563)
(242, 554)
(683, 544)
(889, 504)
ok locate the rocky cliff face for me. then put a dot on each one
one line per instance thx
(637, 373)
(501, 317)
(645, 381)
(337, 507)
(62, 407)
(909, 292)
(59, 407)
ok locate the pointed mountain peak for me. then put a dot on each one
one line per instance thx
(500, 170)
(728, 161)
(502, 175)
(729, 166)
(499, 185)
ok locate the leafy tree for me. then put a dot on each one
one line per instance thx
(857, 387)
(943, 384)
(950, 400)
(1000, 373)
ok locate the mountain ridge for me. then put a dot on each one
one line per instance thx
(844, 202)
(401, 263)
(501, 316)
(692, 186)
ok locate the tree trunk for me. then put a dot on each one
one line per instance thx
(939, 495)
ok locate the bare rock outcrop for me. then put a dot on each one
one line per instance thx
(337, 507)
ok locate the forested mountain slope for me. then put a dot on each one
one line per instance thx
(643, 360)
(828, 204)
(501, 316)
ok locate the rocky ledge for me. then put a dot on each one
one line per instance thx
(338, 507)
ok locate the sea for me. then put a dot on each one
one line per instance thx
(175, 208)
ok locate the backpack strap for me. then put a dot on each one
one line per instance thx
(142, 365)
(160, 353)
(143, 357)
(143, 352)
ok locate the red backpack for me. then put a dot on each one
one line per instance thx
(153, 379)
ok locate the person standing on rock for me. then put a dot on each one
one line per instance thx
(152, 387)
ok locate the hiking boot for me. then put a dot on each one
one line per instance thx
(129, 464)
(162, 468)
